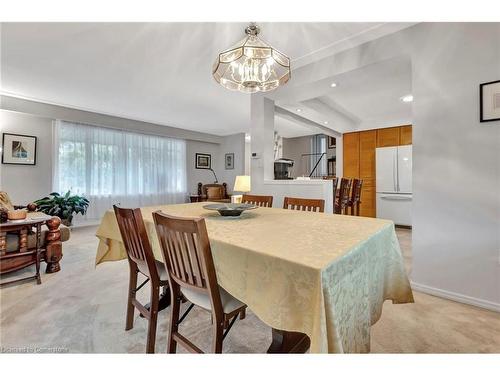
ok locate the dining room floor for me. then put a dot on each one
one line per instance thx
(81, 309)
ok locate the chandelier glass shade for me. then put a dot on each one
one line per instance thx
(251, 65)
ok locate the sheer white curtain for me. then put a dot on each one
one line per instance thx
(111, 166)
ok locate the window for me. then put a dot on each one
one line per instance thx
(113, 166)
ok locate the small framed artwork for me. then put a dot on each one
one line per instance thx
(229, 161)
(203, 161)
(18, 149)
(332, 142)
(489, 101)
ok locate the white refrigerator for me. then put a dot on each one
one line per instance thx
(394, 184)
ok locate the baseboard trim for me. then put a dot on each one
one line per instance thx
(457, 297)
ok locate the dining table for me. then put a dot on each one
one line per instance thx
(318, 279)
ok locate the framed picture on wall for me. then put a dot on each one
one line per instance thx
(489, 101)
(229, 161)
(332, 142)
(18, 149)
(203, 161)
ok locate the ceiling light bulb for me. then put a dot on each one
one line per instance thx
(333, 84)
(325, 122)
(299, 110)
(407, 98)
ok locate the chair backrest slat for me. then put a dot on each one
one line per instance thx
(195, 260)
(135, 239)
(344, 191)
(187, 254)
(301, 204)
(258, 200)
(355, 200)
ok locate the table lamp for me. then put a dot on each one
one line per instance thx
(242, 185)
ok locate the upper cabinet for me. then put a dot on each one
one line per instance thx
(388, 137)
(405, 135)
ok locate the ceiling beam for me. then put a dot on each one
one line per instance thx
(284, 113)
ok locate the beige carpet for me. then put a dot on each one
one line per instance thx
(82, 309)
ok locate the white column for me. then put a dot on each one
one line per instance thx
(262, 137)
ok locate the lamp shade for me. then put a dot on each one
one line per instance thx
(242, 184)
(251, 65)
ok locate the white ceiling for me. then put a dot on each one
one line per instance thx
(364, 98)
(157, 72)
(291, 129)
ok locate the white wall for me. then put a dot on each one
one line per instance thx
(456, 172)
(293, 148)
(193, 175)
(26, 183)
(456, 169)
(232, 144)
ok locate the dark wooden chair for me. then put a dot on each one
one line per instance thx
(342, 202)
(213, 192)
(186, 251)
(301, 204)
(355, 200)
(141, 260)
(258, 200)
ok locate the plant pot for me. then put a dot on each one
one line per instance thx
(67, 222)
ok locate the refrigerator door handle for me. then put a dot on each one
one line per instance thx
(395, 198)
(397, 169)
(394, 158)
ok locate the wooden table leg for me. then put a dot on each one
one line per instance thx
(53, 252)
(3, 243)
(289, 342)
(37, 264)
(23, 239)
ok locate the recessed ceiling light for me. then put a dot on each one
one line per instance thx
(333, 84)
(299, 110)
(407, 98)
(325, 122)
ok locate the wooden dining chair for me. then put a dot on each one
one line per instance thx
(342, 202)
(355, 200)
(301, 204)
(335, 182)
(258, 200)
(186, 251)
(141, 260)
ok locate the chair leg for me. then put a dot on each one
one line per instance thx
(174, 319)
(218, 328)
(153, 309)
(131, 295)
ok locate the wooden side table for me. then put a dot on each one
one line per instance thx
(31, 256)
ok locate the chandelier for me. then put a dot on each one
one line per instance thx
(251, 65)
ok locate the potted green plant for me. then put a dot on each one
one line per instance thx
(63, 206)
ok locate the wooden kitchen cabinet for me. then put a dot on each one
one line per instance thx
(367, 207)
(388, 137)
(351, 155)
(405, 135)
(367, 145)
(359, 159)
